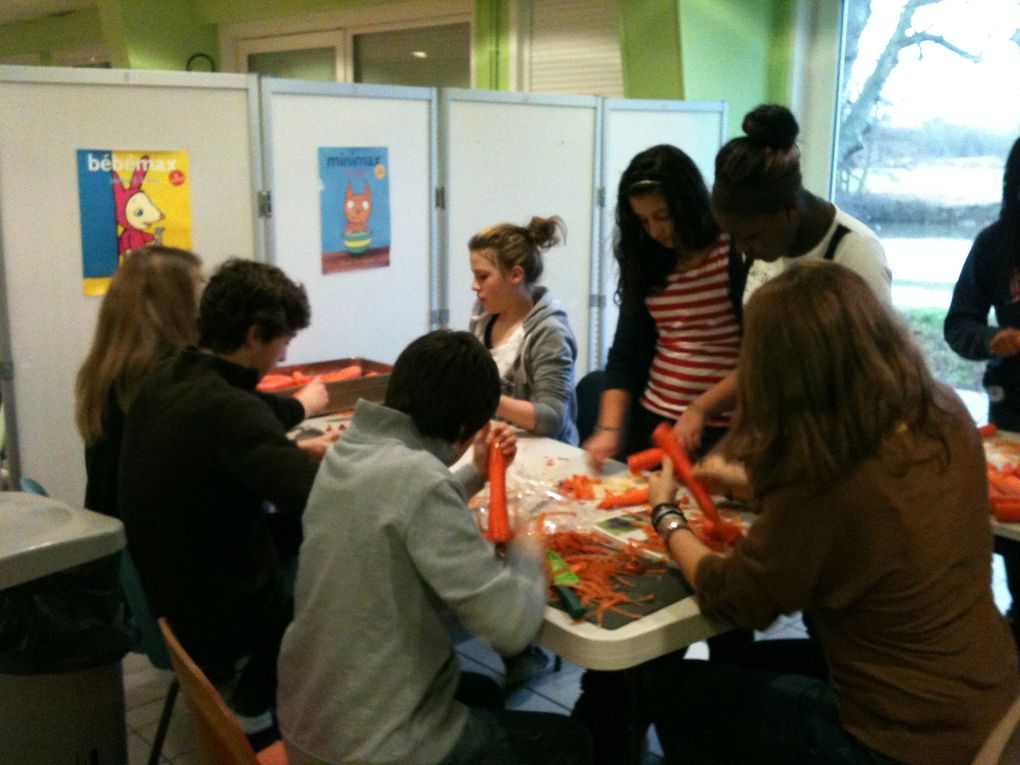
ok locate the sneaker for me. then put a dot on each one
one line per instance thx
(525, 666)
(252, 724)
(263, 738)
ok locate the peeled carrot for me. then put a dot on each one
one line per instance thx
(1007, 483)
(637, 496)
(715, 525)
(499, 521)
(666, 440)
(347, 373)
(987, 431)
(1006, 509)
(275, 382)
(645, 460)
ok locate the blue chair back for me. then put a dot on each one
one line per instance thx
(153, 644)
(32, 486)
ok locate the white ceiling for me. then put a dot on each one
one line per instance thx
(27, 10)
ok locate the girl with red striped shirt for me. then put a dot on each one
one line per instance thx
(679, 290)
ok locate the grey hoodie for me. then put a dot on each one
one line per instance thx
(544, 370)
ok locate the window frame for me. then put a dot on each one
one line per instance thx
(342, 25)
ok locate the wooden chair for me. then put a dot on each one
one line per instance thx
(1002, 747)
(219, 736)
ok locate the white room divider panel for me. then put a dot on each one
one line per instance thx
(697, 127)
(508, 157)
(46, 115)
(369, 312)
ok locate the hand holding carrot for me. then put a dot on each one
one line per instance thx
(722, 477)
(662, 486)
(497, 432)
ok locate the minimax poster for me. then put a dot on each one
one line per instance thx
(355, 204)
(129, 199)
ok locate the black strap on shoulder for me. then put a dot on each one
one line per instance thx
(837, 237)
(739, 266)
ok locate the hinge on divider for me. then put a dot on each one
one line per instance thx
(597, 301)
(265, 204)
(440, 197)
(440, 318)
(6, 370)
(601, 196)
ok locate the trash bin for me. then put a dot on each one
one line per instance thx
(63, 634)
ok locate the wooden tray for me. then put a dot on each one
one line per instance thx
(343, 394)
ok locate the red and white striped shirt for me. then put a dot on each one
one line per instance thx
(699, 335)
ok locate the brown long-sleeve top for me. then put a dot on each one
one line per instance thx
(893, 566)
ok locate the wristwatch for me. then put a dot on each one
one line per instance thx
(667, 518)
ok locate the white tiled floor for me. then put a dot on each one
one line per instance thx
(145, 688)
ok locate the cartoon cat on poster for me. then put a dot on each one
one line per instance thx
(355, 208)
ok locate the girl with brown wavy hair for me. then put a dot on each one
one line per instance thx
(869, 480)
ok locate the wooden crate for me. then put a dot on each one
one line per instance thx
(343, 394)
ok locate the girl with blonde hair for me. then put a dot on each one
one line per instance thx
(149, 311)
(525, 329)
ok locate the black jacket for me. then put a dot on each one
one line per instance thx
(200, 456)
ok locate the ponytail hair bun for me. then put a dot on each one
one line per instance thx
(547, 232)
(771, 125)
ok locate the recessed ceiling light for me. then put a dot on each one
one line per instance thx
(419, 54)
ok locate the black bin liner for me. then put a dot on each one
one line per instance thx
(67, 621)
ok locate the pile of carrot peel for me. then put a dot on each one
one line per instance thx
(605, 572)
(578, 486)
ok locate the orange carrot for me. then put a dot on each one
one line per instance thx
(1006, 509)
(645, 460)
(499, 521)
(636, 496)
(347, 373)
(275, 382)
(1007, 483)
(715, 526)
(987, 431)
(577, 486)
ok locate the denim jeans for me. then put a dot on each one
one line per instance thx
(494, 736)
(717, 713)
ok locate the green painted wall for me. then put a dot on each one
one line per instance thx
(77, 29)
(736, 51)
(490, 45)
(153, 34)
(650, 49)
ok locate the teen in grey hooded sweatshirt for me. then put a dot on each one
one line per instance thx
(525, 329)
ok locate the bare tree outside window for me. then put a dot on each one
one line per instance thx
(929, 107)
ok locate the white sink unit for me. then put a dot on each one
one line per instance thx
(75, 716)
(39, 536)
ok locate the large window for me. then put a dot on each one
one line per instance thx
(929, 107)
